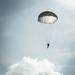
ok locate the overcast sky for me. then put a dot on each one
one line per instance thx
(22, 35)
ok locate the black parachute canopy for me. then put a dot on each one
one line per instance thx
(47, 17)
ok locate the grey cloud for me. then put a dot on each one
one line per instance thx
(7, 6)
(69, 68)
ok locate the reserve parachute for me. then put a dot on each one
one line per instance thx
(47, 17)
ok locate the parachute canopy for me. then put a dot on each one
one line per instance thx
(47, 17)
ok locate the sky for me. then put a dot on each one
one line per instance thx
(23, 36)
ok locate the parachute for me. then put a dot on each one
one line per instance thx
(47, 17)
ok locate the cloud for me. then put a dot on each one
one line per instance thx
(28, 66)
(66, 3)
(69, 67)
